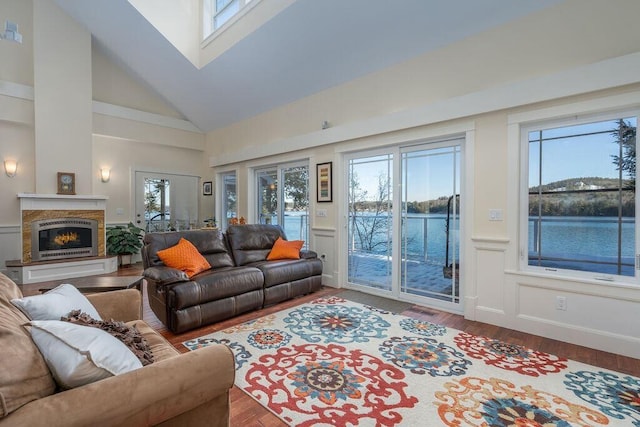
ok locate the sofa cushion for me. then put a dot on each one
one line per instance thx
(214, 285)
(210, 243)
(55, 303)
(184, 256)
(285, 249)
(252, 243)
(24, 375)
(79, 355)
(159, 346)
(284, 271)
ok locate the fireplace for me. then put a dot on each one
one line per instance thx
(63, 238)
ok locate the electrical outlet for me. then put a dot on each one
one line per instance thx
(561, 303)
(321, 212)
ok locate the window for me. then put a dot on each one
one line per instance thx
(218, 12)
(157, 209)
(580, 197)
(229, 198)
(286, 204)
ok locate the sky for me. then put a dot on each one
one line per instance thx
(429, 173)
(574, 157)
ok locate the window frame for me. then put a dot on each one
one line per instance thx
(210, 13)
(542, 123)
(221, 196)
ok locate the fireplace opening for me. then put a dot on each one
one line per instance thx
(62, 238)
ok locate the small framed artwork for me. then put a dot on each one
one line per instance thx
(324, 185)
(66, 183)
(207, 188)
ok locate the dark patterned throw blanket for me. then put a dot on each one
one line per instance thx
(129, 335)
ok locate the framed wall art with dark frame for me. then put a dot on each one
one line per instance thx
(324, 182)
(207, 188)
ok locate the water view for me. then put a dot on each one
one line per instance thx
(582, 243)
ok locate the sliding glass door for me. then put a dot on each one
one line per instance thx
(370, 227)
(430, 222)
(283, 198)
(405, 243)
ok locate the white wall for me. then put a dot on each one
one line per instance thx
(178, 21)
(62, 102)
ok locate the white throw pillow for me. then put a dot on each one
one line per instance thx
(56, 303)
(79, 355)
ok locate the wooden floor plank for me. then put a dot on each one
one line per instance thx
(246, 412)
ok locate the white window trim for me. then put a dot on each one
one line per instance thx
(519, 124)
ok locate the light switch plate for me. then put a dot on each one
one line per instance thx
(495, 214)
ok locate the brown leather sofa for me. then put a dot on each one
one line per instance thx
(188, 389)
(240, 279)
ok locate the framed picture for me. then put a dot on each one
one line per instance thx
(66, 183)
(324, 182)
(207, 188)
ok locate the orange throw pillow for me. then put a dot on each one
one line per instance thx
(184, 256)
(285, 249)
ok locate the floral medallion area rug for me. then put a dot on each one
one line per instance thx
(333, 362)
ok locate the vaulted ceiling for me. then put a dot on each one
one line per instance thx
(310, 46)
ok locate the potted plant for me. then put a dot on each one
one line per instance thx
(124, 241)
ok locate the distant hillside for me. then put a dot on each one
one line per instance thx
(583, 183)
(592, 202)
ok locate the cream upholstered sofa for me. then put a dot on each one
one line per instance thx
(190, 389)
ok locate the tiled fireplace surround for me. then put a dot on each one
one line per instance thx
(50, 206)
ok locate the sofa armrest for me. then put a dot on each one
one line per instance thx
(308, 254)
(196, 383)
(163, 275)
(124, 305)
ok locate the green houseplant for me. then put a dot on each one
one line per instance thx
(124, 241)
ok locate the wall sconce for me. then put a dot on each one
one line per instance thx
(10, 168)
(105, 174)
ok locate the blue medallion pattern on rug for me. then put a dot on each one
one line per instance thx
(336, 323)
(498, 412)
(269, 338)
(424, 356)
(240, 353)
(333, 362)
(421, 327)
(618, 397)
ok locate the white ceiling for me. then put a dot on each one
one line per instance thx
(310, 46)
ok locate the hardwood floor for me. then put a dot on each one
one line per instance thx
(248, 413)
